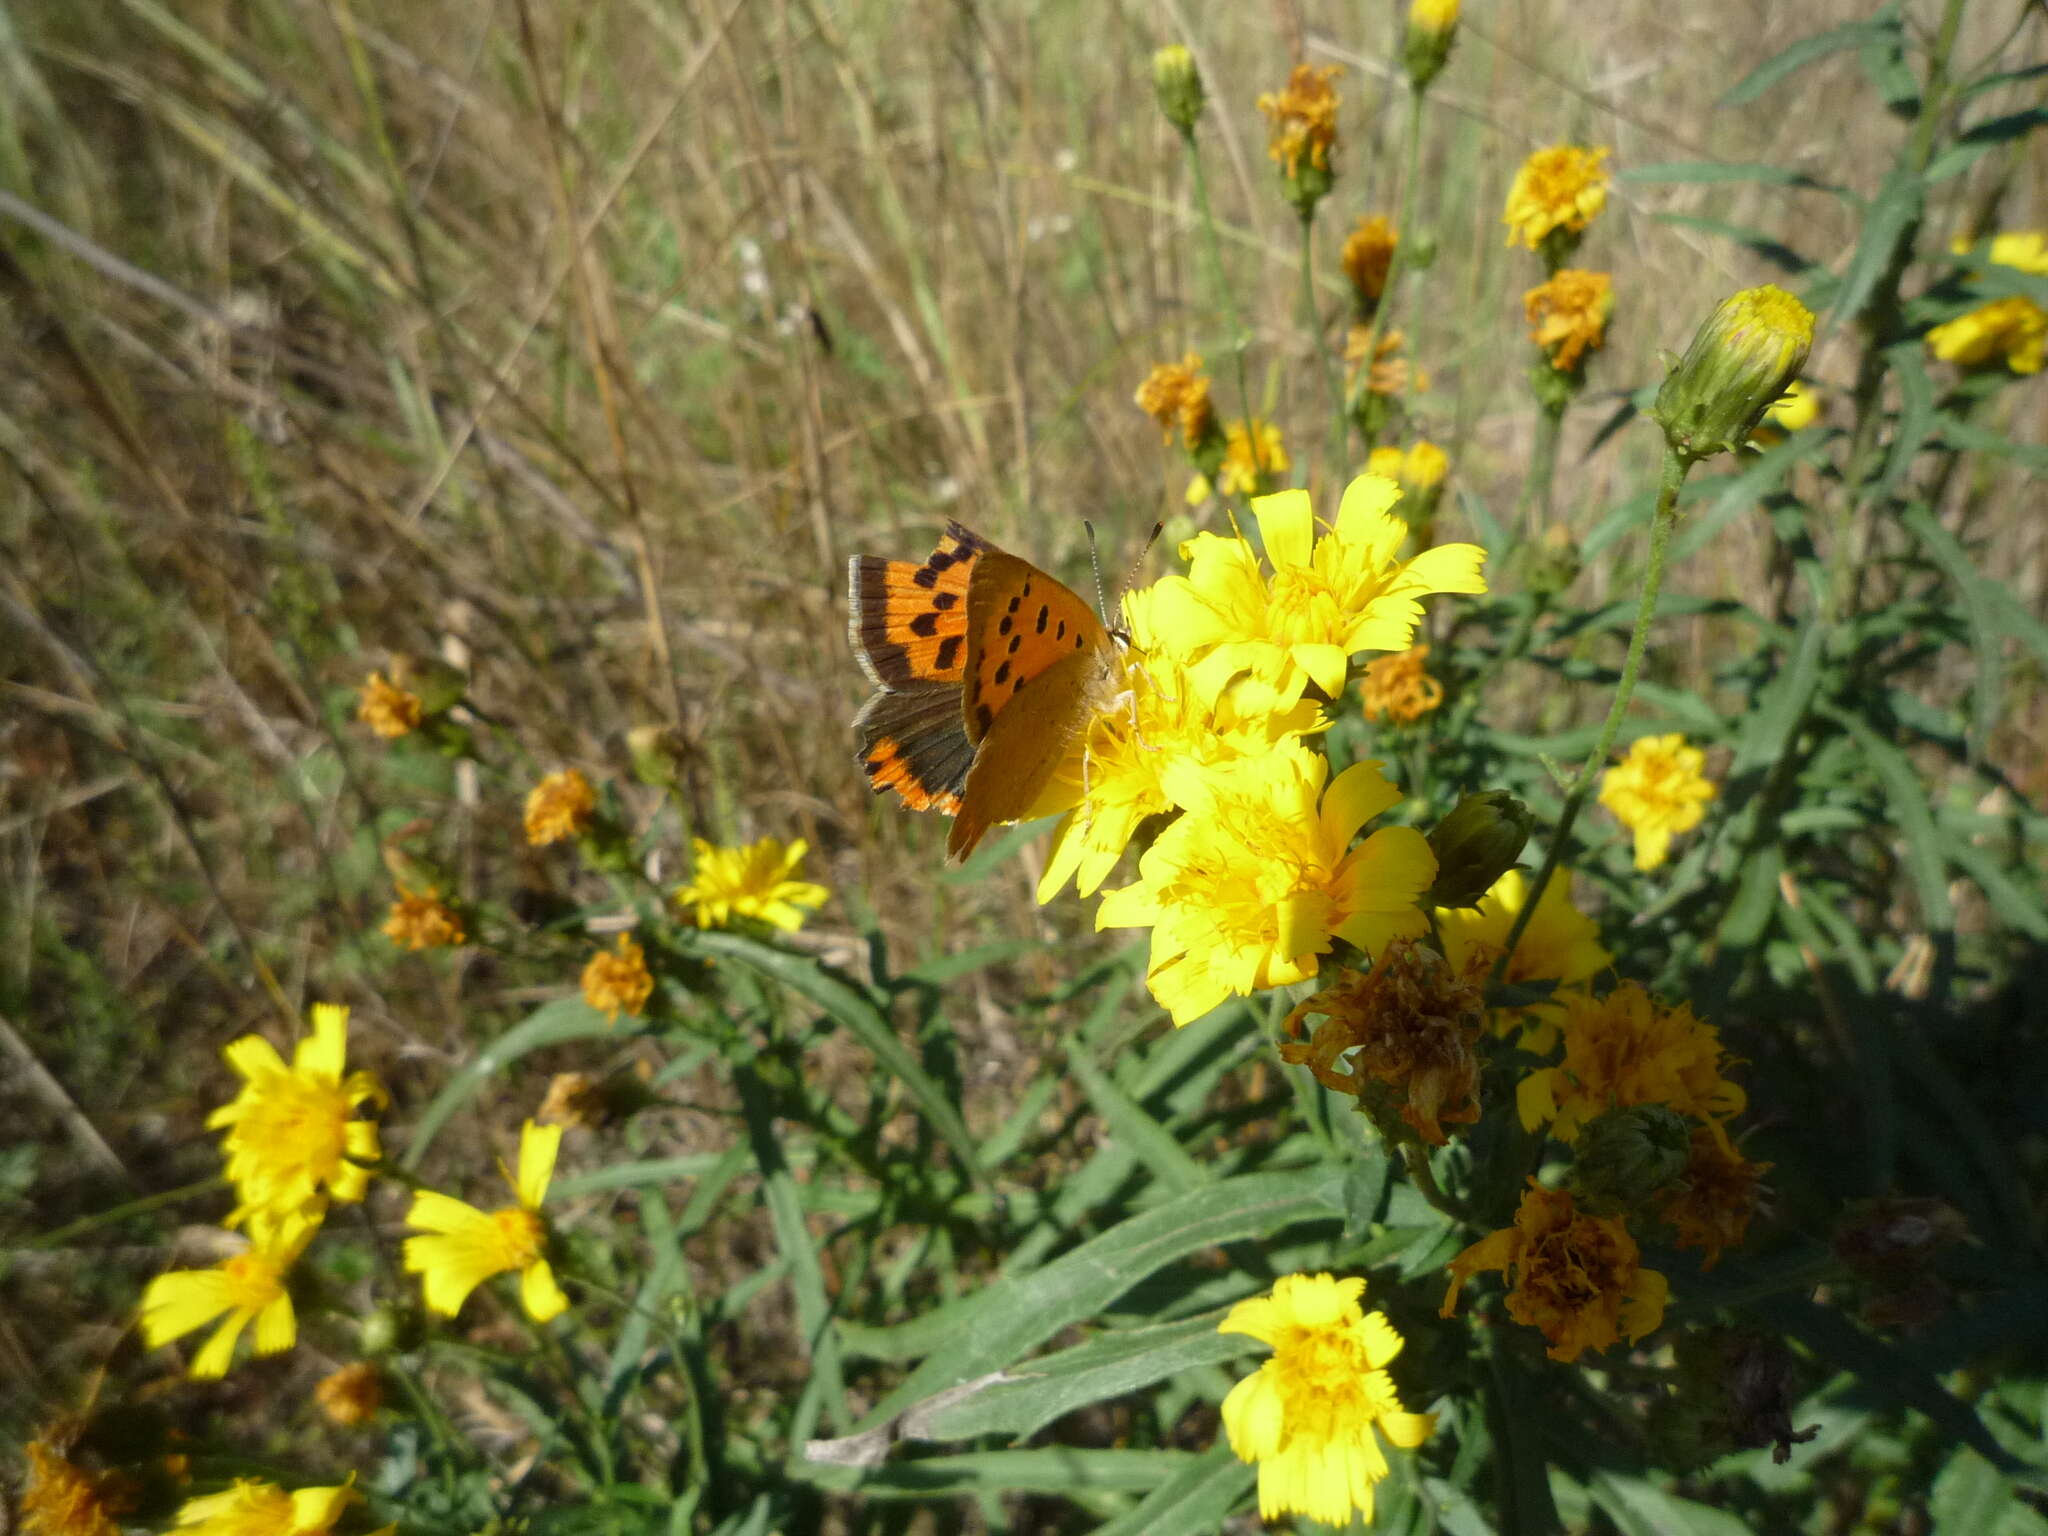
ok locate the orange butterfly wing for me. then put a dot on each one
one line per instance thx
(1037, 662)
(985, 670)
(907, 620)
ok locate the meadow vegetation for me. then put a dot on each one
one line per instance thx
(480, 1057)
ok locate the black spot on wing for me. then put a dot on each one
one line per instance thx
(925, 624)
(1044, 613)
(949, 652)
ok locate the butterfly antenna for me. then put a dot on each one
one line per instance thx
(1095, 562)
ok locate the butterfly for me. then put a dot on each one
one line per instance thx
(986, 671)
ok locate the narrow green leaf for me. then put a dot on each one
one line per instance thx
(1155, 1146)
(1969, 1494)
(1962, 434)
(1981, 606)
(1768, 246)
(1108, 1365)
(565, 1019)
(825, 1391)
(1198, 1497)
(1641, 1508)
(1892, 213)
(1808, 50)
(865, 1021)
(1056, 1469)
(998, 1325)
(1908, 799)
(1716, 172)
(1907, 361)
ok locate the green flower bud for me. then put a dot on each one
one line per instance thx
(657, 754)
(439, 686)
(1475, 845)
(389, 1328)
(1179, 87)
(1625, 1156)
(1432, 28)
(1747, 354)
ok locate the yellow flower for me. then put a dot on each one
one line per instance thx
(1389, 374)
(755, 882)
(1308, 1415)
(246, 1288)
(1627, 1049)
(1561, 943)
(1259, 877)
(292, 1140)
(422, 920)
(1419, 471)
(466, 1246)
(61, 1498)
(618, 982)
(1797, 409)
(1657, 792)
(2011, 330)
(351, 1395)
(256, 1508)
(1711, 1204)
(1326, 599)
(1563, 187)
(560, 805)
(1433, 15)
(1578, 1278)
(386, 708)
(1368, 257)
(1119, 777)
(1303, 119)
(1251, 457)
(1413, 1021)
(1177, 394)
(1396, 688)
(1568, 315)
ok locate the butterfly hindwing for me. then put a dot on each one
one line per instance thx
(1020, 621)
(1023, 748)
(912, 741)
(908, 619)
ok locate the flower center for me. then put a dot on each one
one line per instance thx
(254, 1280)
(517, 1236)
(299, 1124)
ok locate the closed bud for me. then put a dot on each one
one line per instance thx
(1475, 845)
(1432, 28)
(1625, 1156)
(657, 754)
(1179, 86)
(439, 686)
(1744, 358)
(387, 1329)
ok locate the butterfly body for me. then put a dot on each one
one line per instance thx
(987, 670)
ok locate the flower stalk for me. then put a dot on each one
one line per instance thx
(1676, 467)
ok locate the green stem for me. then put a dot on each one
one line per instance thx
(1536, 485)
(1404, 233)
(1423, 1177)
(85, 1224)
(1221, 279)
(1312, 320)
(1675, 470)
